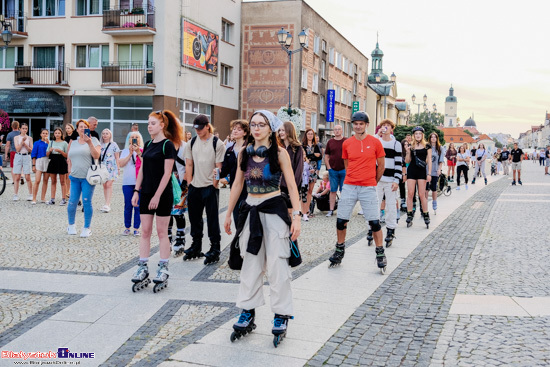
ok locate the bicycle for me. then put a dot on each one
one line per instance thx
(3, 180)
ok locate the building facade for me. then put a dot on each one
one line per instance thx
(327, 62)
(451, 112)
(119, 60)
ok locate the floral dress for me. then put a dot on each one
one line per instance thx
(109, 160)
(310, 150)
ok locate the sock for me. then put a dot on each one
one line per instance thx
(143, 259)
(163, 260)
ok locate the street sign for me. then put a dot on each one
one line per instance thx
(355, 106)
(330, 105)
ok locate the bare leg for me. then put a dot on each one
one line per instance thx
(37, 179)
(29, 183)
(45, 186)
(63, 186)
(422, 195)
(162, 232)
(54, 185)
(145, 239)
(16, 180)
(332, 198)
(410, 193)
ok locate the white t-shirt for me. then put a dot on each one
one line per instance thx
(462, 156)
(129, 171)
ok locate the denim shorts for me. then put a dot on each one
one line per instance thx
(365, 195)
(336, 179)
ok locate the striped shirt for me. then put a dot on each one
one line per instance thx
(393, 161)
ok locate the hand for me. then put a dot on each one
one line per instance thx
(429, 178)
(227, 224)
(296, 226)
(154, 203)
(33, 169)
(135, 199)
(394, 186)
(86, 138)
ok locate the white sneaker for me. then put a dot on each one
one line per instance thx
(458, 187)
(29, 198)
(15, 198)
(86, 232)
(329, 214)
(106, 209)
(466, 186)
(33, 203)
(305, 218)
(71, 230)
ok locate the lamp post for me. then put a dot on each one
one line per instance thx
(6, 33)
(285, 40)
(425, 98)
(430, 113)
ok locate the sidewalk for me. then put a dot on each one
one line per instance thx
(82, 300)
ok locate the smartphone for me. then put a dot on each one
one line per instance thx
(87, 132)
(134, 141)
(217, 175)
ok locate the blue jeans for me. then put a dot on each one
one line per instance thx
(81, 186)
(128, 191)
(336, 179)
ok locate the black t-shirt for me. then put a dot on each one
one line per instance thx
(504, 156)
(547, 154)
(73, 136)
(516, 155)
(153, 165)
(94, 134)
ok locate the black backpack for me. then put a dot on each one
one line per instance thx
(214, 144)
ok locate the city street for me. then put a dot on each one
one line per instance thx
(472, 290)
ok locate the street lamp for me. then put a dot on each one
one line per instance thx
(430, 113)
(386, 85)
(425, 98)
(285, 40)
(6, 33)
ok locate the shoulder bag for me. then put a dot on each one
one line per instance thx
(419, 162)
(97, 173)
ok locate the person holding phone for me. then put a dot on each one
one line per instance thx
(130, 161)
(80, 154)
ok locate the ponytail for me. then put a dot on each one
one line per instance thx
(172, 126)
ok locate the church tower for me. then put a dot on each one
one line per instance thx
(450, 109)
(376, 67)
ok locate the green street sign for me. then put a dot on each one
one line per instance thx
(355, 106)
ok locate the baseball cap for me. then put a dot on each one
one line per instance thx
(200, 122)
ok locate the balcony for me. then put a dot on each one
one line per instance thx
(129, 22)
(53, 76)
(128, 75)
(18, 24)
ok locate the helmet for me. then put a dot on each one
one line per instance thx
(360, 116)
(418, 128)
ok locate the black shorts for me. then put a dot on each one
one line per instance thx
(164, 208)
(416, 173)
(432, 185)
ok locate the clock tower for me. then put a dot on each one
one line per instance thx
(450, 109)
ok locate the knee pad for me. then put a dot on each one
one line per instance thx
(375, 225)
(341, 224)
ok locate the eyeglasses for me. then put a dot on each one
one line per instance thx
(260, 126)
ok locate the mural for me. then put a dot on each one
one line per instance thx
(200, 48)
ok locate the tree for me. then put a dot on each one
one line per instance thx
(427, 118)
(401, 131)
(498, 144)
(468, 132)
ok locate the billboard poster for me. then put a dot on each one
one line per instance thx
(330, 105)
(200, 48)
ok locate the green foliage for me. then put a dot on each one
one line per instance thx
(468, 132)
(498, 144)
(401, 131)
(427, 118)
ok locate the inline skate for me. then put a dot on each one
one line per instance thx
(194, 252)
(434, 206)
(369, 237)
(212, 256)
(161, 280)
(336, 258)
(381, 259)
(280, 325)
(426, 219)
(141, 277)
(245, 325)
(382, 216)
(403, 206)
(179, 246)
(390, 235)
(410, 216)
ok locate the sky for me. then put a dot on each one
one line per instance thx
(495, 55)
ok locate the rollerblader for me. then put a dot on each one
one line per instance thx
(154, 184)
(363, 156)
(280, 325)
(204, 156)
(141, 277)
(438, 157)
(263, 217)
(245, 325)
(370, 238)
(335, 165)
(463, 161)
(419, 159)
(516, 157)
(479, 160)
(179, 209)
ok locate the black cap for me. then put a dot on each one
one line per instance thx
(200, 122)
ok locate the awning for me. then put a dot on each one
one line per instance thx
(17, 101)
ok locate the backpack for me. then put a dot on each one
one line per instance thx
(214, 144)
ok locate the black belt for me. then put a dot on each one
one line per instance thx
(23, 153)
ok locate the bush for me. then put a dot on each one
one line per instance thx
(401, 131)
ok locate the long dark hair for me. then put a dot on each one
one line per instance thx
(272, 153)
(437, 145)
(304, 139)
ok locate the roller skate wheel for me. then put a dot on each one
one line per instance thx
(383, 270)
(369, 242)
(276, 340)
(134, 288)
(233, 337)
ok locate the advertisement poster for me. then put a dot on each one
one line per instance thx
(200, 48)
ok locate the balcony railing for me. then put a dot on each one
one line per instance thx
(129, 21)
(128, 75)
(53, 75)
(18, 24)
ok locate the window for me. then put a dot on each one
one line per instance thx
(316, 44)
(355, 87)
(135, 55)
(93, 7)
(48, 57)
(133, 4)
(11, 56)
(330, 85)
(337, 91)
(359, 77)
(344, 64)
(314, 121)
(324, 43)
(304, 78)
(315, 87)
(331, 56)
(48, 8)
(92, 56)
(343, 96)
(190, 110)
(226, 75)
(323, 69)
(339, 60)
(322, 104)
(227, 31)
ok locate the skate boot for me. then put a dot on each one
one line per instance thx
(410, 216)
(390, 235)
(434, 206)
(474, 181)
(161, 280)
(519, 182)
(513, 183)
(485, 181)
(369, 237)
(382, 216)
(245, 325)
(398, 215)
(338, 255)
(280, 325)
(141, 277)
(381, 259)
(179, 246)
(403, 206)
(212, 256)
(426, 219)
(194, 252)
